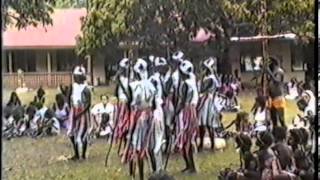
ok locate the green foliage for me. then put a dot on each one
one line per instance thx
(70, 3)
(280, 16)
(155, 24)
(106, 21)
(22, 13)
(161, 23)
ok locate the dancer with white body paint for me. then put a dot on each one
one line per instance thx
(79, 114)
(206, 110)
(142, 97)
(157, 124)
(187, 125)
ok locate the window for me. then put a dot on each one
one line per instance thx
(24, 59)
(298, 61)
(250, 63)
(250, 56)
(66, 59)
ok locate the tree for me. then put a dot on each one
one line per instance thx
(155, 24)
(277, 17)
(159, 23)
(70, 3)
(105, 22)
(22, 13)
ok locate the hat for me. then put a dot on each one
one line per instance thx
(124, 63)
(177, 56)
(78, 70)
(141, 66)
(160, 61)
(210, 63)
(186, 67)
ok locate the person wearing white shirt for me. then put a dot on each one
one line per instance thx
(103, 114)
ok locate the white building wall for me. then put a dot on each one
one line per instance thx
(277, 49)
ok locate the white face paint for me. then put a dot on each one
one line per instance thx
(178, 56)
(141, 68)
(186, 67)
(124, 63)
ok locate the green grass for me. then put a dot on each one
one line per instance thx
(26, 158)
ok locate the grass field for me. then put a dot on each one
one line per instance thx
(33, 159)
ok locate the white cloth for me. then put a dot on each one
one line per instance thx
(124, 84)
(260, 117)
(100, 109)
(219, 103)
(143, 92)
(56, 126)
(41, 112)
(192, 83)
(158, 89)
(175, 79)
(311, 104)
(62, 113)
(293, 92)
(77, 90)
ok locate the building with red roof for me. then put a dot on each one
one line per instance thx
(47, 54)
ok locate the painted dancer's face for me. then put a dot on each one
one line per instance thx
(79, 78)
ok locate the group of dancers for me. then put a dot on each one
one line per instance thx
(164, 106)
(160, 108)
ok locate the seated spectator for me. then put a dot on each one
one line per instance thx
(103, 114)
(38, 118)
(40, 98)
(13, 103)
(14, 100)
(284, 151)
(61, 109)
(292, 87)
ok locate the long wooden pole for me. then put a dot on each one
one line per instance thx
(265, 54)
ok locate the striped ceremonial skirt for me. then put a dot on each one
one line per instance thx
(207, 112)
(141, 134)
(123, 118)
(79, 128)
(187, 128)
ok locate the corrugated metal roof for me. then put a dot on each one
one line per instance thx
(66, 27)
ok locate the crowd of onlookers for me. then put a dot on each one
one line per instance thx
(36, 119)
(283, 152)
